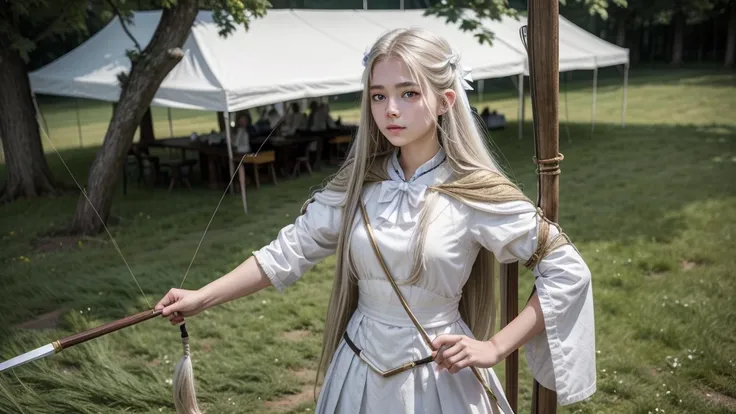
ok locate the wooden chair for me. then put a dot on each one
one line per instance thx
(336, 143)
(140, 157)
(302, 160)
(263, 158)
(180, 171)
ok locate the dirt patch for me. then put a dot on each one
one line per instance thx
(717, 398)
(63, 243)
(295, 335)
(50, 320)
(305, 395)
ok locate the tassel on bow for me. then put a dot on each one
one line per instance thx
(185, 398)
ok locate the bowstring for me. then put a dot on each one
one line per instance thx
(114, 242)
(84, 193)
(235, 172)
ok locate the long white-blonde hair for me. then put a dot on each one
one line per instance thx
(435, 66)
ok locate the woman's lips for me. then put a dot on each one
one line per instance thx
(394, 128)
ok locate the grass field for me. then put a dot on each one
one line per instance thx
(651, 207)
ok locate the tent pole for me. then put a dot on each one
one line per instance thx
(226, 115)
(623, 104)
(480, 90)
(79, 123)
(231, 167)
(171, 123)
(595, 90)
(401, 4)
(365, 4)
(520, 86)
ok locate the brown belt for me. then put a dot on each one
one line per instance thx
(391, 372)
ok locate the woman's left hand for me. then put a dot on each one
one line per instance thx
(456, 352)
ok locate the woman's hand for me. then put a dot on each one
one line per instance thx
(456, 352)
(179, 303)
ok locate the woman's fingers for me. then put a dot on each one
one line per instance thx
(170, 297)
(447, 352)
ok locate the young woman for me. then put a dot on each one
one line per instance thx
(421, 201)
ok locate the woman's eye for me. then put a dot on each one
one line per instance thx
(377, 97)
(410, 94)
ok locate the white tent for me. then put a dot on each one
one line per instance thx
(288, 54)
(293, 54)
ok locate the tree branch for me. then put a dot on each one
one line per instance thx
(122, 23)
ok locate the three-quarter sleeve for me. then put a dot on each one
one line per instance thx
(299, 246)
(562, 357)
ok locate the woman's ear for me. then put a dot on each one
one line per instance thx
(446, 102)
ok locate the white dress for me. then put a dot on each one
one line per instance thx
(561, 358)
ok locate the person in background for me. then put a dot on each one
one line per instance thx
(243, 131)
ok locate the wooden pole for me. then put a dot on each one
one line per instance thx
(79, 122)
(509, 311)
(543, 41)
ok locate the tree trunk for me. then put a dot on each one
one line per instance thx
(678, 39)
(731, 38)
(146, 75)
(28, 173)
(621, 32)
(635, 49)
(146, 127)
(221, 121)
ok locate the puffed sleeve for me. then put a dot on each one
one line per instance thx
(562, 357)
(299, 246)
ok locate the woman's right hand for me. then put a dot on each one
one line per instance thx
(179, 303)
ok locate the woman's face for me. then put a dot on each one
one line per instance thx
(400, 111)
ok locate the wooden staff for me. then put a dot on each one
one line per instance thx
(543, 29)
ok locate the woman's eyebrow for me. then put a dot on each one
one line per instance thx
(398, 85)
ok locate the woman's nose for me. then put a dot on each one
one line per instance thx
(392, 110)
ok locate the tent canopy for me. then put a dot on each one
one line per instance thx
(291, 54)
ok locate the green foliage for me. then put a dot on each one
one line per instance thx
(230, 13)
(25, 23)
(471, 13)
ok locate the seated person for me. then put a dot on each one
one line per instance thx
(243, 131)
(273, 117)
(294, 120)
(322, 120)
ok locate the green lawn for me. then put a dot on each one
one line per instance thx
(651, 206)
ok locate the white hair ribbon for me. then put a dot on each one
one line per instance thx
(465, 77)
(464, 73)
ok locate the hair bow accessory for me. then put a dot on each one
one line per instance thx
(464, 73)
(366, 57)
